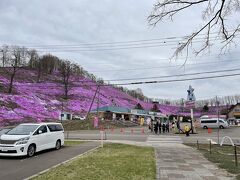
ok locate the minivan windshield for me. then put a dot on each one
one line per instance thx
(22, 130)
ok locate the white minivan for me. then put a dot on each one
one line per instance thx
(26, 139)
(213, 123)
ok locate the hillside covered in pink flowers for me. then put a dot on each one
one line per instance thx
(38, 101)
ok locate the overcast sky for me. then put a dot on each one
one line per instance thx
(74, 22)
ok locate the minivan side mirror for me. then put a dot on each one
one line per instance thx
(39, 132)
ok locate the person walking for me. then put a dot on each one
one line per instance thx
(149, 123)
(186, 130)
(156, 127)
(167, 127)
(159, 126)
(163, 127)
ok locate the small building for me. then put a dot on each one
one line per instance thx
(65, 116)
(113, 112)
(117, 113)
(234, 111)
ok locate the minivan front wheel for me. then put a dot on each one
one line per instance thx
(58, 145)
(31, 150)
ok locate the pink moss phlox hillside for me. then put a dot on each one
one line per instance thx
(44, 100)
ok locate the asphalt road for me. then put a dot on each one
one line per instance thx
(137, 134)
(23, 167)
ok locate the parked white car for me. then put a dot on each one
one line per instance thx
(26, 139)
(82, 118)
(213, 123)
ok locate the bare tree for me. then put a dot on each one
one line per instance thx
(39, 68)
(5, 53)
(17, 60)
(33, 58)
(66, 70)
(215, 15)
(50, 63)
(35, 62)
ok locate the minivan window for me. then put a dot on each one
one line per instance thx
(209, 121)
(221, 121)
(54, 127)
(42, 128)
(22, 130)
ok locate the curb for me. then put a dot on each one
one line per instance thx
(64, 162)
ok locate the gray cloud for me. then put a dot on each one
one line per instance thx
(75, 22)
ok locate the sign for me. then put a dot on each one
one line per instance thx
(190, 104)
(138, 111)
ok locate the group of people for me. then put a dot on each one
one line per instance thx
(158, 127)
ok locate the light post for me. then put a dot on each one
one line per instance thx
(62, 112)
(218, 119)
(98, 103)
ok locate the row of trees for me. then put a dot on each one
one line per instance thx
(136, 93)
(14, 58)
(225, 100)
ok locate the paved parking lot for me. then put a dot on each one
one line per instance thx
(23, 167)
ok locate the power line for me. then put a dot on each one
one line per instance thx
(177, 75)
(170, 66)
(110, 48)
(178, 80)
(145, 82)
(114, 44)
(118, 42)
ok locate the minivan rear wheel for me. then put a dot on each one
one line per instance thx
(205, 127)
(31, 150)
(221, 127)
(58, 145)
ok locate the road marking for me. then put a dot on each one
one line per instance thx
(158, 140)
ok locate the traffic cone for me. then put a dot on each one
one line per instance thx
(209, 130)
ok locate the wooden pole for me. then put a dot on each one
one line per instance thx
(210, 147)
(235, 152)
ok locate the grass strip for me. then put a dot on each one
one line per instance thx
(113, 162)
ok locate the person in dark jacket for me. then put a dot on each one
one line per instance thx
(163, 127)
(167, 127)
(156, 127)
(159, 126)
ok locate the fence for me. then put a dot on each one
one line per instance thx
(227, 151)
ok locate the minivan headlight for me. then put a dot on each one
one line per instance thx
(22, 141)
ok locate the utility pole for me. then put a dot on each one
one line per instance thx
(92, 101)
(218, 119)
(98, 103)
